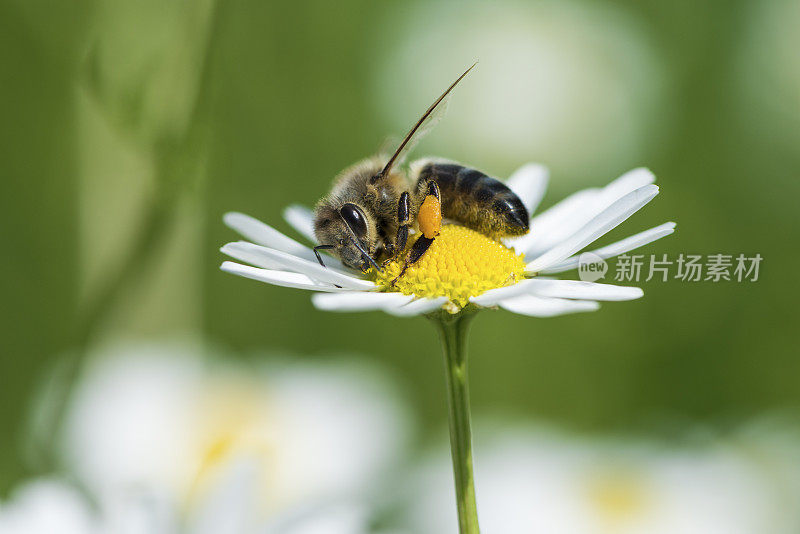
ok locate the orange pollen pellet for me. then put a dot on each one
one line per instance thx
(430, 217)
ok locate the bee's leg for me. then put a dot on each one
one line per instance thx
(389, 251)
(430, 221)
(420, 247)
(404, 213)
(403, 222)
(433, 189)
(316, 252)
(319, 258)
(429, 216)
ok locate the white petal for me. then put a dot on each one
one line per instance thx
(241, 251)
(311, 269)
(529, 182)
(301, 219)
(417, 307)
(620, 247)
(576, 289)
(359, 301)
(568, 289)
(630, 181)
(278, 278)
(263, 234)
(493, 296)
(545, 236)
(598, 226)
(546, 307)
(255, 255)
(546, 226)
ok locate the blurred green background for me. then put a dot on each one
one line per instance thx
(128, 129)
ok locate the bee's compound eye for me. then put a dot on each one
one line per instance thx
(355, 219)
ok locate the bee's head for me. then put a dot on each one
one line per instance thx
(348, 232)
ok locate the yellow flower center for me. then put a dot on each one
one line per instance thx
(461, 263)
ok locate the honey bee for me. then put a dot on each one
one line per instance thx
(366, 219)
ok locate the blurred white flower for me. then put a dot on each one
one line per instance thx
(572, 83)
(49, 506)
(330, 518)
(773, 443)
(198, 435)
(546, 483)
(46, 506)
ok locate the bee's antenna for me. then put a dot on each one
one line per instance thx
(410, 134)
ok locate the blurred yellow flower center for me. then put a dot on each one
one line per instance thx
(618, 497)
(461, 263)
(230, 430)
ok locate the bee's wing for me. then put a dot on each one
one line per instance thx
(424, 125)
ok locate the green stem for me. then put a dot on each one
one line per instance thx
(453, 331)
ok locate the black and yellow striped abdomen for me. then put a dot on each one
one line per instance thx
(474, 199)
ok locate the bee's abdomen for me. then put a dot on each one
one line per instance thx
(476, 200)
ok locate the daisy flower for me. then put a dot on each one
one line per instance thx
(45, 505)
(197, 433)
(538, 480)
(462, 272)
(464, 268)
(48, 505)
